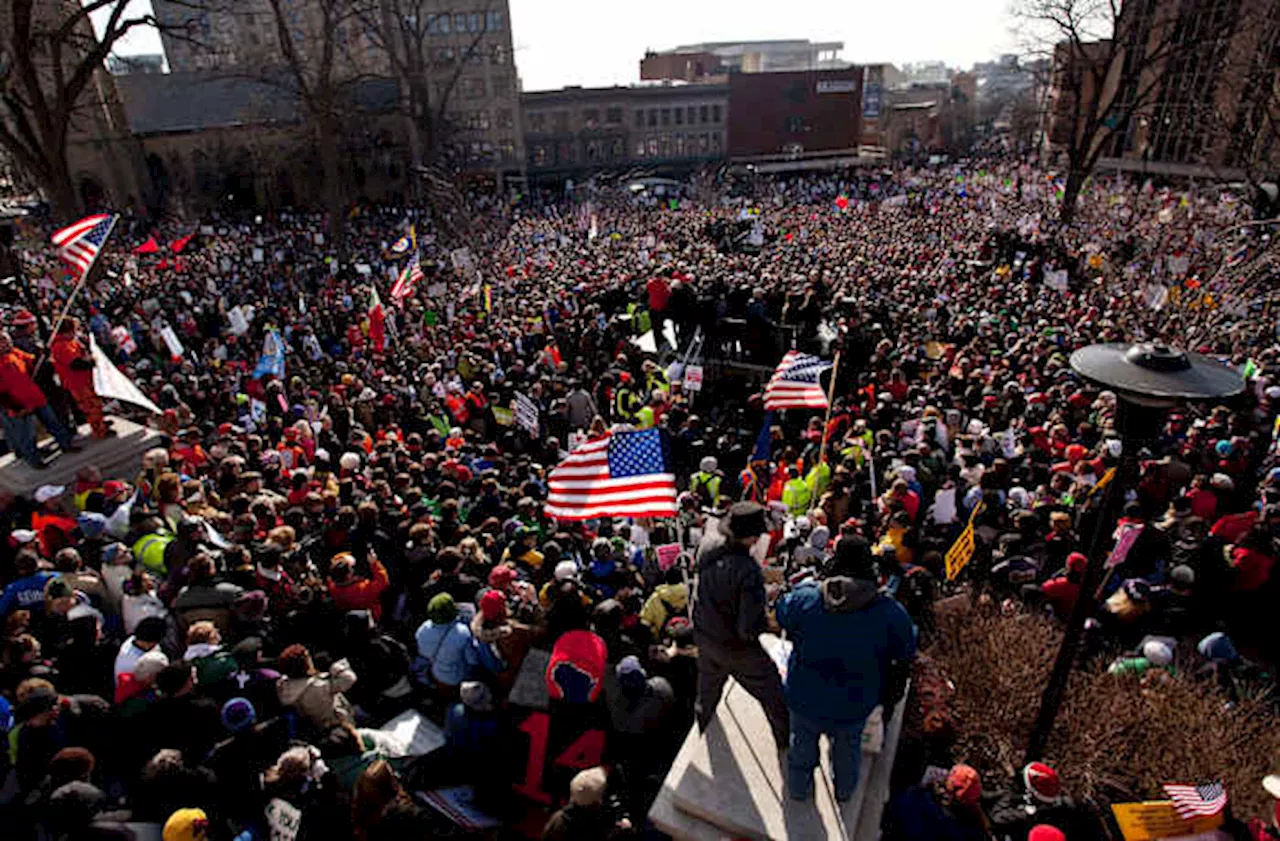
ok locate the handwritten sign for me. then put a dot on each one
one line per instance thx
(667, 555)
(693, 378)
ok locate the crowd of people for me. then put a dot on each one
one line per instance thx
(345, 520)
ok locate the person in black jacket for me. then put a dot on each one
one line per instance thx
(728, 618)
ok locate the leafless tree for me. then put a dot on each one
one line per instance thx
(1107, 62)
(49, 56)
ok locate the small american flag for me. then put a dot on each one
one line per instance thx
(623, 474)
(795, 385)
(1200, 801)
(408, 279)
(80, 243)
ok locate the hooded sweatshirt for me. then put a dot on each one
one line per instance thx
(846, 635)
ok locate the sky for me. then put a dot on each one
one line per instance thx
(593, 43)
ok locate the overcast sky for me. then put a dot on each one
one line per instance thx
(592, 43)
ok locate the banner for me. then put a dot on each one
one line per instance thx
(961, 552)
(110, 384)
(526, 413)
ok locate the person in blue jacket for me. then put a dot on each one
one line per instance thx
(852, 648)
(26, 592)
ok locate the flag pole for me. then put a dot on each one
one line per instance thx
(71, 299)
(826, 421)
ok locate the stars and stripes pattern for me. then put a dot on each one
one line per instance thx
(623, 474)
(408, 280)
(79, 244)
(795, 384)
(1200, 801)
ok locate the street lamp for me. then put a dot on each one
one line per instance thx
(1148, 380)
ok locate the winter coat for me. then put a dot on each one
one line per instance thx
(362, 593)
(318, 698)
(846, 637)
(446, 652)
(730, 605)
(668, 600)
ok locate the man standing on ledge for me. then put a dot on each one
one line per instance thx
(728, 618)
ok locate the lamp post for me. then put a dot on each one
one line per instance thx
(1148, 380)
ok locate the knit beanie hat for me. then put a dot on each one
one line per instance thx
(238, 714)
(493, 606)
(1042, 782)
(442, 609)
(565, 570)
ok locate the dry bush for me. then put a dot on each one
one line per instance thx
(1117, 737)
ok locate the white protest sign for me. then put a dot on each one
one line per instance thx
(283, 819)
(693, 378)
(259, 255)
(171, 341)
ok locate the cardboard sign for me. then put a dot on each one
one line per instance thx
(693, 378)
(667, 555)
(1129, 533)
(1155, 819)
(284, 819)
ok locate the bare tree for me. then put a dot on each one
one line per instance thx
(49, 55)
(1108, 61)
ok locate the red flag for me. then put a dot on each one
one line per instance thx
(181, 242)
(377, 323)
(148, 247)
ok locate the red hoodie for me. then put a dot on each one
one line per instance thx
(362, 593)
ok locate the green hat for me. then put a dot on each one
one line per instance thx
(442, 609)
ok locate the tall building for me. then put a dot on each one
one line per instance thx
(1190, 87)
(465, 55)
(715, 60)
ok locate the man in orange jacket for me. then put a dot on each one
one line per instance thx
(74, 366)
(22, 401)
(350, 591)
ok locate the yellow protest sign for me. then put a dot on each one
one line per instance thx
(961, 552)
(1155, 819)
(1101, 483)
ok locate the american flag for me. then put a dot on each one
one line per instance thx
(80, 243)
(1200, 801)
(408, 279)
(794, 385)
(623, 474)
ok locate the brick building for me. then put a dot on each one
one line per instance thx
(715, 60)
(660, 127)
(794, 115)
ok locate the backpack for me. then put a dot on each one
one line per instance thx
(701, 490)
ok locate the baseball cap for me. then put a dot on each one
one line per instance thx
(44, 493)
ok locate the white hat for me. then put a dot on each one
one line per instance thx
(708, 464)
(149, 665)
(1157, 652)
(44, 493)
(565, 570)
(23, 535)
(1271, 783)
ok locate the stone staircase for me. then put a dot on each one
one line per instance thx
(117, 458)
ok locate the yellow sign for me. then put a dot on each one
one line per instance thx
(961, 552)
(1155, 819)
(1101, 483)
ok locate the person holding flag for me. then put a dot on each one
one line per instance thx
(23, 402)
(74, 366)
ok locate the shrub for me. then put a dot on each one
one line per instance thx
(1117, 738)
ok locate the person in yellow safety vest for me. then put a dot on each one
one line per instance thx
(655, 379)
(858, 442)
(649, 414)
(705, 484)
(625, 401)
(148, 550)
(796, 493)
(818, 480)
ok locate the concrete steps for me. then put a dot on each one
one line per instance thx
(728, 784)
(117, 458)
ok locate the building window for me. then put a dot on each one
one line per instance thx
(478, 120)
(537, 122)
(704, 143)
(442, 56)
(475, 56)
(664, 146)
(475, 20)
(653, 117)
(459, 22)
(639, 149)
(595, 150)
(507, 151)
(715, 113)
(493, 22)
(442, 24)
(473, 88)
(591, 118)
(679, 144)
(693, 114)
(679, 116)
(715, 142)
(538, 155)
(505, 120)
(639, 118)
(498, 54)
(619, 149)
(702, 114)
(560, 122)
(666, 116)
(795, 125)
(613, 116)
(651, 147)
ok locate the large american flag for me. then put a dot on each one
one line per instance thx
(80, 243)
(408, 279)
(623, 474)
(1200, 801)
(795, 385)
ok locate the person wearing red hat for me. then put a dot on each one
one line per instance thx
(1061, 591)
(22, 402)
(1038, 808)
(947, 808)
(74, 366)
